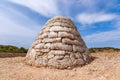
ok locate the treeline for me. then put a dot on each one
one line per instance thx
(12, 49)
(104, 49)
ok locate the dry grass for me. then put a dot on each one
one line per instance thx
(106, 66)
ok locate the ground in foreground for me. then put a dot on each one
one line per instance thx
(105, 66)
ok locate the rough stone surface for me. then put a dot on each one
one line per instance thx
(58, 45)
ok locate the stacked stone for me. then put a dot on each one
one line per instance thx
(58, 45)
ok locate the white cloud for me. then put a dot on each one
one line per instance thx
(9, 27)
(90, 3)
(45, 7)
(18, 17)
(113, 35)
(13, 34)
(87, 18)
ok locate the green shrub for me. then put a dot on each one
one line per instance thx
(94, 50)
(11, 49)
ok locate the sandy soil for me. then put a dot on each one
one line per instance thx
(105, 66)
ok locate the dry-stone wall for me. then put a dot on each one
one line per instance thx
(58, 45)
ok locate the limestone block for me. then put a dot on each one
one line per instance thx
(78, 49)
(51, 40)
(61, 46)
(56, 28)
(58, 57)
(66, 62)
(72, 42)
(39, 54)
(78, 55)
(39, 46)
(57, 52)
(53, 63)
(67, 41)
(72, 57)
(74, 32)
(57, 23)
(65, 24)
(45, 29)
(80, 61)
(52, 34)
(50, 56)
(43, 50)
(32, 53)
(44, 35)
(65, 35)
(76, 42)
(41, 61)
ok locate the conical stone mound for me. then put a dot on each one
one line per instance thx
(58, 45)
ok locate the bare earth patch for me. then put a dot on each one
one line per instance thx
(106, 66)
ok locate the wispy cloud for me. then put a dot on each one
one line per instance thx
(13, 33)
(46, 8)
(113, 35)
(90, 18)
(11, 28)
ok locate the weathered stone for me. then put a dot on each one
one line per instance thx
(54, 63)
(43, 30)
(39, 46)
(80, 61)
(86, 57)
(76, 42)
(66, 56)
(65, 35)
(39, 54)
(65, 24)
(78, 49)
(56, 28)
(58, 57)
(41, 61)
(72, 57)
(30, 57)
(66, 62)
(69, 41)
(74, 32)
(61, 46)
(78, 55)
(42, 50)
(58, 45)
(57, 24)
(50, 56)
(57, 52)
(44, 35)
(51, 40)
(52, 34)
(48, 45)
(31, 54)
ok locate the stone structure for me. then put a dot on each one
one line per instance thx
(58, 45)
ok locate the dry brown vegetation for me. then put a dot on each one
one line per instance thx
(105, 66)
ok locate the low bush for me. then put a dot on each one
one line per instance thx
(11, 49)
(94, 50)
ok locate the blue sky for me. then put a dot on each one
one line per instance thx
(98, 21)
